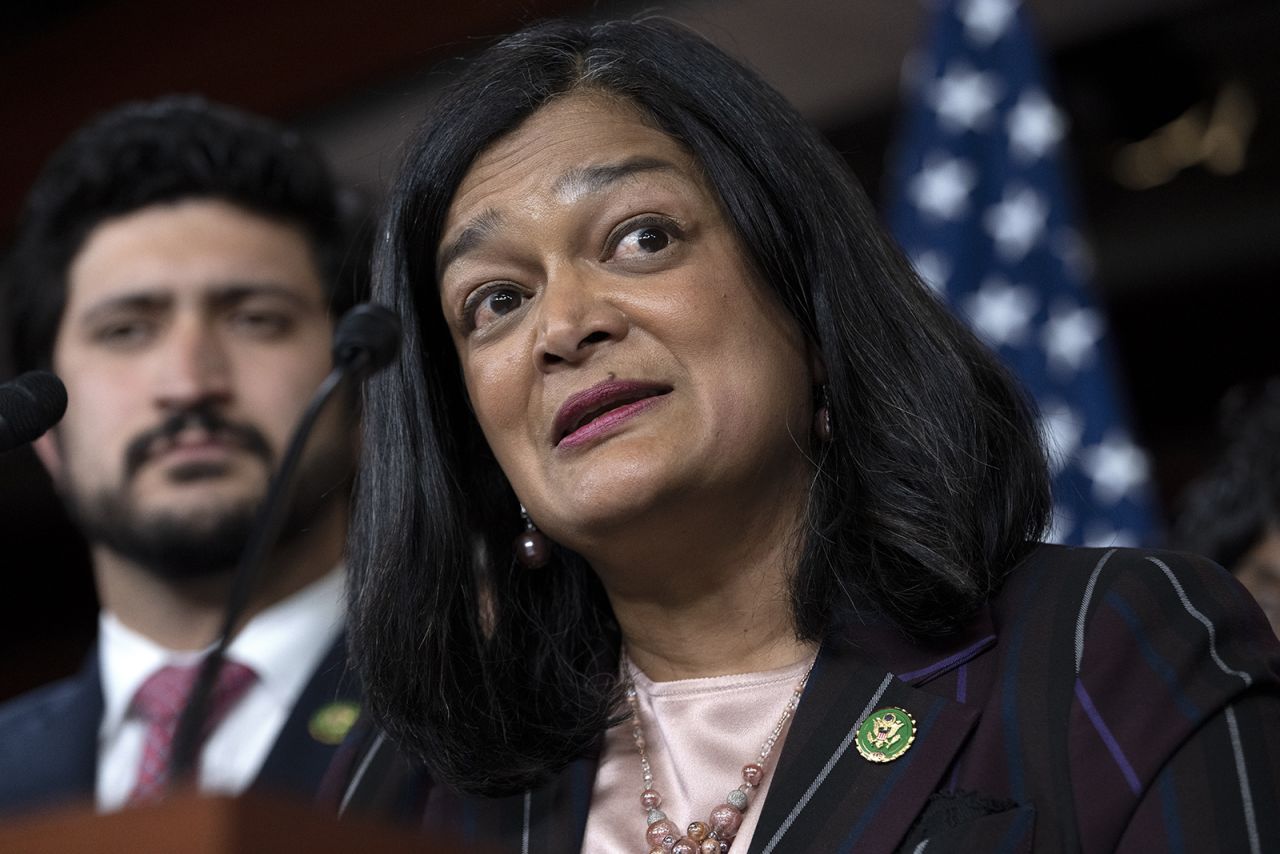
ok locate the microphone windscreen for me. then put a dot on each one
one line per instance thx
(367, 338)
(29, 406)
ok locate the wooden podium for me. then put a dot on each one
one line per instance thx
(190, 824)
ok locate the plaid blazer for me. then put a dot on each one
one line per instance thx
(1105, 700)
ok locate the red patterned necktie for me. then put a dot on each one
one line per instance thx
(159, 702)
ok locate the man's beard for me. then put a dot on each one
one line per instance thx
(207, 542)
(172, 547)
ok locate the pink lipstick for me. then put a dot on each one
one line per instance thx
(597, 410)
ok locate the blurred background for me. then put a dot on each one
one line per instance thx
(1173, 142)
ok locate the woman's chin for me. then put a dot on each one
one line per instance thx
(604, 509)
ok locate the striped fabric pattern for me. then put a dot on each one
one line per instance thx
(1106, 700)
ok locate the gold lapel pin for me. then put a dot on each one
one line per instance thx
(333, 721)
(886, 734)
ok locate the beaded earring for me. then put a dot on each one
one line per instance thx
(531, 546)
(822, 416)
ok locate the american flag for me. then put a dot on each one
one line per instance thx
(981, 208)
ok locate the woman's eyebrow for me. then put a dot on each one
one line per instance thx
(473, 234)
(592, 179)
(578, 181)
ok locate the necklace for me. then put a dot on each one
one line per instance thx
(715, 835)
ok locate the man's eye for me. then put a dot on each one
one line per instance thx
(261, 323)
(123, 334)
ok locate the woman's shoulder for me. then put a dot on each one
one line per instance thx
(1147, 671)
(1109, 610)
(1087, 560)
(1173, 579)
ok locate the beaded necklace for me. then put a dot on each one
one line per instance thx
(715, 835)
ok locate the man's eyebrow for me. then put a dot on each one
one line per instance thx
(136, 301)
(228, 293)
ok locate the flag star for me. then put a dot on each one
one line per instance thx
(1001, 312)
(1035, 126)
(1069, 337)
(1062, 429)
(1116, 467)
(985, 21)
(964, 98)
(942, 186)
(1016, 222)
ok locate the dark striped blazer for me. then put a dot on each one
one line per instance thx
(1105, 700)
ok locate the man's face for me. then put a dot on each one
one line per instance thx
(193, 335)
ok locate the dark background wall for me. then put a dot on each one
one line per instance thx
(1175, 138)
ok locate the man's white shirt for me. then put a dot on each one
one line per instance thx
(283, 644)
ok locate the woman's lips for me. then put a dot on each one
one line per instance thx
(597, 410)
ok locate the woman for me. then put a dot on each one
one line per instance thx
(776, 512)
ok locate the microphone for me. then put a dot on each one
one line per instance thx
(29, 406)
(366, 340)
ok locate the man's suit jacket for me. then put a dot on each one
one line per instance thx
(49, 739)
(1106, 700)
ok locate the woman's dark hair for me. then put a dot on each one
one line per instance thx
(1227, 510)
(932, 489)
(168, 150)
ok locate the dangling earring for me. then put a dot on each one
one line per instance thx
(531, 546)
(822, 416)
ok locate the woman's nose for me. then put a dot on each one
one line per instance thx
(576, 316)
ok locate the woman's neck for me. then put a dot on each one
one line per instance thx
(706, 599)
(689, 653)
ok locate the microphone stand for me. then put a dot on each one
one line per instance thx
(351, 359)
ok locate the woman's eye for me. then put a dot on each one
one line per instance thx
(643, 241)
(491, 304)
(652, 239)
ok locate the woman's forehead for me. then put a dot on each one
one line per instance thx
(573, 147)
(561, 146)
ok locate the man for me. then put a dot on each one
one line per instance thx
(1231, 512)
(179, 266)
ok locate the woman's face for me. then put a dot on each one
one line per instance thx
(619, 353)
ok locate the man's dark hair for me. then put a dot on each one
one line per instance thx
(1227, 510)
(932, 489)
(167, 150)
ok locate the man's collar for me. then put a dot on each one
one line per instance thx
(282, 644)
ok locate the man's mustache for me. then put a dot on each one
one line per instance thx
(141, 448)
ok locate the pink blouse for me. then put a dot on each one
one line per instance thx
(698, 733)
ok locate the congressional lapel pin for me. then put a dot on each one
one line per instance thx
(333, 721)
(886, 734)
